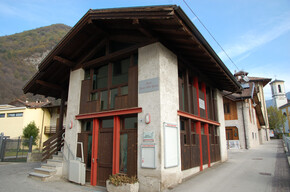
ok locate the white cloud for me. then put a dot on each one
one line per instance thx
(256, 38)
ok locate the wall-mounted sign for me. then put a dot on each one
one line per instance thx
(148, 136)
(201, 104)
(148, 85)
(170, 145)
(148, 156)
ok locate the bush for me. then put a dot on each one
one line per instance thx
(119, 179)
(31, 130)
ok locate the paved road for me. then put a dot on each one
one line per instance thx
(13, 178)
(263, 169)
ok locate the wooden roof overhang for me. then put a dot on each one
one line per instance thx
(139, 26)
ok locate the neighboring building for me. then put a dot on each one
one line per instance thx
(286, 112)
(246, 116)
(143, 91)
(278, 93)
(281, 101)
(18, 114)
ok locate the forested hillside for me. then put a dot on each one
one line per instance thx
(20, 55)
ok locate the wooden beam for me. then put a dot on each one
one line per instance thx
(64, 61)
(127, 38)
(98, 47)
(49, 85)
(117, 54)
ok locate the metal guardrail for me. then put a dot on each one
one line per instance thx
(70, 153)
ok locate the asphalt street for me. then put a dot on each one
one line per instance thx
(261, 169)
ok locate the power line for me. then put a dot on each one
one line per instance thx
(210, 34)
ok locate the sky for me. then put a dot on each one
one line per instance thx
(254, 33)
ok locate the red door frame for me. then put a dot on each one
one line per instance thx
(116, 138)
(116, 145)
(94, 162)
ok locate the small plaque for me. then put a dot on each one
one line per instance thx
(148, 85)
(148, 136)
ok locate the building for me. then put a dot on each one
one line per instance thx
(246, 116)
(280, 101)
(278, 93)
(18, 114)
(143, 91)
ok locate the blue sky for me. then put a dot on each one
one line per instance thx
(254, 33)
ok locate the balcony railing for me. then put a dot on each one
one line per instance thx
(50, 129)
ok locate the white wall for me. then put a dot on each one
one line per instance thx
(221, 129)
(155, 60)
(73, 105)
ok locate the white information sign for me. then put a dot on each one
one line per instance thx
(148, 156)
(170, 145)
(201, 104)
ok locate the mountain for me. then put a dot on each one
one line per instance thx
(20, 55)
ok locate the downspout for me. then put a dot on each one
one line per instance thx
(246, 141)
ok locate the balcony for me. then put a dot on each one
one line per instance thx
(50, 129)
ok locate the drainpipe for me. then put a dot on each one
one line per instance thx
(246, 141)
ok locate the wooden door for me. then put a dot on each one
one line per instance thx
(105, 151)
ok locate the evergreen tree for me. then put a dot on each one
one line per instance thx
(31, 130)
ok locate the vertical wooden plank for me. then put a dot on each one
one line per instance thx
(198, 130)
(187, 93)
(208, 143)
(195, 83)
(94, 158)
(133, 86)
(116, 145)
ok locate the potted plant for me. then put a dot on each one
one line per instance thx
(122, 183)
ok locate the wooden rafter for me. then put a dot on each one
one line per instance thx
(117, 54)
(98, 47)
(49, 85)
(64, 61)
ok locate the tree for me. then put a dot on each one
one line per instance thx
(276, 119)
(31, 130)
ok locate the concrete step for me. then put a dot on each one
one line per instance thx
(57, 157)
(39, 176)
(60, 153)
(57, 163)
(57, 168)
(45, 171)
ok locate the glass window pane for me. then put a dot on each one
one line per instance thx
(94, 96)
(107, 123)
(89, 151)
(120, 72)
(123, 152)
(130, 122)
(88, 126)
(19, 114)
(114, 93)
(124, 90)
(135, 59)
(2, 115)
(11, 115)
(104, 100)
(100, 77)
(182, 127)
(87, 74)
